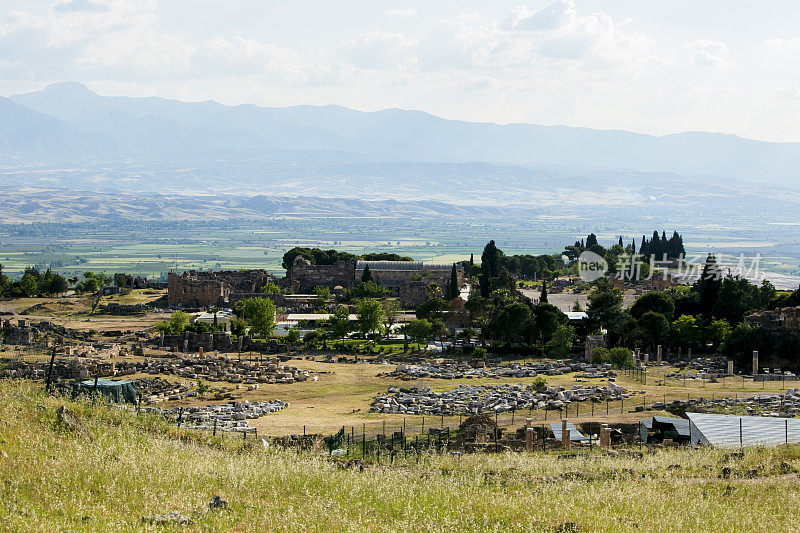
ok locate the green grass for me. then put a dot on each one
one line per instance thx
(125, 467)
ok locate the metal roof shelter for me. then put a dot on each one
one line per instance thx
(401, 265)
(732, 430)
(666, 427)
(574, 434)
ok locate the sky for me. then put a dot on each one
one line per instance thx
(649, 66)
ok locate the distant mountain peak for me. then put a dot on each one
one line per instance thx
(72, 88)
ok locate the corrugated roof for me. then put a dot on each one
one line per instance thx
(732, 430)
(400, 265)
(574, 434)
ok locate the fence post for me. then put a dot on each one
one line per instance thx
(50, 370)
(741, 445)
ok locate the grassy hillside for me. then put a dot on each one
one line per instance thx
(118, 468)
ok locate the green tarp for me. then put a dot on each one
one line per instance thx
(119, 390)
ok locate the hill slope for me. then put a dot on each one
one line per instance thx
(175, 129)
(118, 470)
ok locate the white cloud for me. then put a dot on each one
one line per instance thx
(708, 53)
(97, 6)
(550, 17)
(380, 50)
(401, 12)
(792, 43)
(787, 93)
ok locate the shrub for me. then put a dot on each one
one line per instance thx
(621, 357)
(601, 355)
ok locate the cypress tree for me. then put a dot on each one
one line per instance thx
(644, 249)
(471, 261)
(367, 275)
(543, 297)
(656, 248)
(452, 286)
(490, 267)
(591, 240)
(620, 243)
(633, 246)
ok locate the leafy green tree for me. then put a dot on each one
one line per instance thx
(178, 323)
(323, 293)
(340, 322)
(368, 289)
(433, 309)
(419, 331)
(743, 340)
(605, 310)
(260, 315)
(270, 288)
(369, 316)
(548, 319)
(561, 340)
(391, 310)
(315, 256)
(238, 326)
(656, 301)
(292, 337)
(687, 330)
(4, 282)
(717, 331)
(512, 320)
(29, 283)
(734, 299)
(654, 327)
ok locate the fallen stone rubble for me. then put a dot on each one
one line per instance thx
(771, 405)
(221, 368)
(489, 398)
(463, 370)
(232, 416)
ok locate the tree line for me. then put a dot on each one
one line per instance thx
(707, 316)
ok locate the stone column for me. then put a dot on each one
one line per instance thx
(605, 436)
(529, 439)
(689, 352)
(565, 442)
(161, 342)
(658, 355)
(755, 362)
(646, 358)
(730, 367)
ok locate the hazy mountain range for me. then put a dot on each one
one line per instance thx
(67, 153)
(67, 119)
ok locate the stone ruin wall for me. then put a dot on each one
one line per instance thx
(777, 320)
(303, 276)
(208, 289)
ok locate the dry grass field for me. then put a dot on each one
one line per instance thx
(115, 471)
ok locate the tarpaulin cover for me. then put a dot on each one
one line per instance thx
(117, 390)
